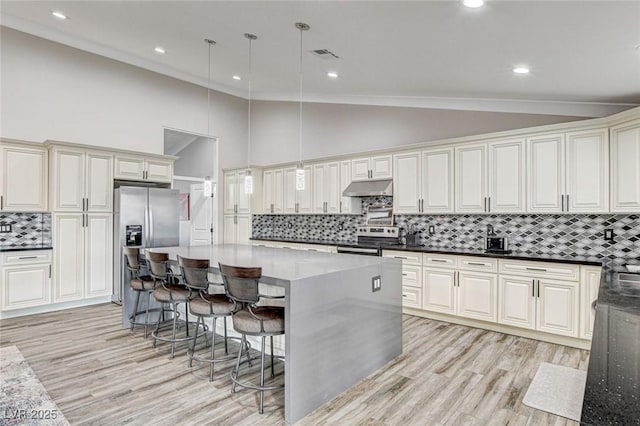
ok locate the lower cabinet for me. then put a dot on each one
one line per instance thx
(237, 229)
(82, 255)
(545, 305)
(589, 286)
(25, 279)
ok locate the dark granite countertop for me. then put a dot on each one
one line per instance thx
(8, 249)
(612, 393)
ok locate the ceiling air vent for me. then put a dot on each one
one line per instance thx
(325, 54)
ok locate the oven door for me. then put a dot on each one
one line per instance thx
(364, 251)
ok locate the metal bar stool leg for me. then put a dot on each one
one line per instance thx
(146, 315)
(272, 371)
(186, 312)
(226, 348)
(193, 345)
(262, 376)
(135, 310)
(234, 372)
(213, 348)
(160, 317)
(173, 331)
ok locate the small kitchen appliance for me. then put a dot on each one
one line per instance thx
(498, 245)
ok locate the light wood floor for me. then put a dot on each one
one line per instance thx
(100, 374)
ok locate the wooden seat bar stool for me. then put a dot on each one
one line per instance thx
(169, 292)
(241, 285)
(140, 284)
(195, 275)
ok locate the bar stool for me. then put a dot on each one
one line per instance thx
(140, 284)
(241, 285)
(169, 292)
(205, 305)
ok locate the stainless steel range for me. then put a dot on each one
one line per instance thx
(378, 233)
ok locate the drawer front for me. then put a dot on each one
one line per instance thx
(482, 264)
(407, 257)
(25, 257)
(411, 276)
(559, 271)
(411, 297)
(439, 260)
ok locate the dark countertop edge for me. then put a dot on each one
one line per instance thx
(513, 256)
(6, 250)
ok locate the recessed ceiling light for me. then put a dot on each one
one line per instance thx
(236, 77)
(473, 3)
(160, 50)
(332, 74)
(521, 70)
(59, 15)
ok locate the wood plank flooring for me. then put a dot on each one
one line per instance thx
(100, 374)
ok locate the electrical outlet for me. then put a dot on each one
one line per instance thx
(5, 228)
(609, 235)
(432, 229)
(376, 283)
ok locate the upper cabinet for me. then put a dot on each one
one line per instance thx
(272, 191)
(348, 205)
(371, 168)
(423, 181)
(568, 173)
(81, 181)
(23, 177)
(326, 188)
(150, 169)
(236, 200)
(298, 201)
(625, 168)
(490, 177)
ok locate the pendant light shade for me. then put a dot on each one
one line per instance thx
(248, 178)
(300, 174)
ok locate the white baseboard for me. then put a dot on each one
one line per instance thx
(54, 307)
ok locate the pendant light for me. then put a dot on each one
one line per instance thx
(248, 179)
(300, 175)
(208, 184)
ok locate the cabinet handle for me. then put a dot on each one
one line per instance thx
(422, 202)
(562, 202)
(457, 279)
(594, 305)
(567, 202)
(536, 269)
(272, 208)
(404, 275)
(399, 257)
(489, 205)
(340, 206)
(49, 271)
(538, 289)
(27, 257)
(476, 264)
(1, 201)
(533, 288)
(404, 295)
(438, 260)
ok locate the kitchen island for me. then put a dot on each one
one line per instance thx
(340, 325)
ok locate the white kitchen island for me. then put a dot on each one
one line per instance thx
(338, 330)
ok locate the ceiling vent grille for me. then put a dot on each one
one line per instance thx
(325, 54)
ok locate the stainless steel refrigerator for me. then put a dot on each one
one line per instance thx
(143, 217)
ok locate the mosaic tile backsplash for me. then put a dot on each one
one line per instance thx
(533, 234)
(28, 230)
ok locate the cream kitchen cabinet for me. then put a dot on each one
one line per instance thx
(326, 188)
(24, 175)
(439, 290)
(423, 181)
(568, 172)
(81, 181)
(298, 201)
(25, 279)
(152, 169)
(237, 229)
(273, 191)
(589, 286)
(490, 177)
(625, 168)
(411, 276)
(236, 200)
(82, 264)
(348, 205)
(372, 168)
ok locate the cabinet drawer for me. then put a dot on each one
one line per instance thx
(559, 271)
(408, 257)
(411, 276)
(440, 260)
(24, 257)
(477, 264)
(411, 297)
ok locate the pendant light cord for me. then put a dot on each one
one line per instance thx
(249, 112)
(210, 43)
(300, 99)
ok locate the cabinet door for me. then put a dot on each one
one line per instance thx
(305, 196)
(411, 297)
(437, 181)
(334, 194)
(229, 229)
(587, 171)
(319, 188)
(25, 286)
(68, 256)
(406, 183)
(159, 170)
(243, 229)
(99, 182)
(625, 168)
(98, 254)
(267, 191)
(478, 296)
(471, 175)
(278, 190)
(230, 200)
(24, 179)
(545, 174)
(243, 199)
(438, 291)
(68, 180)
(290, 192)
(348, 205)
(517, 301)
(506, 177)
(360, 169)
(411, 276)
(589, 286)
(382, 167)
(131, 168)
(557, 308)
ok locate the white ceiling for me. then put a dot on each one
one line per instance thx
(584, 55)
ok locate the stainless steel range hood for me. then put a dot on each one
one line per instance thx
(366, 188)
